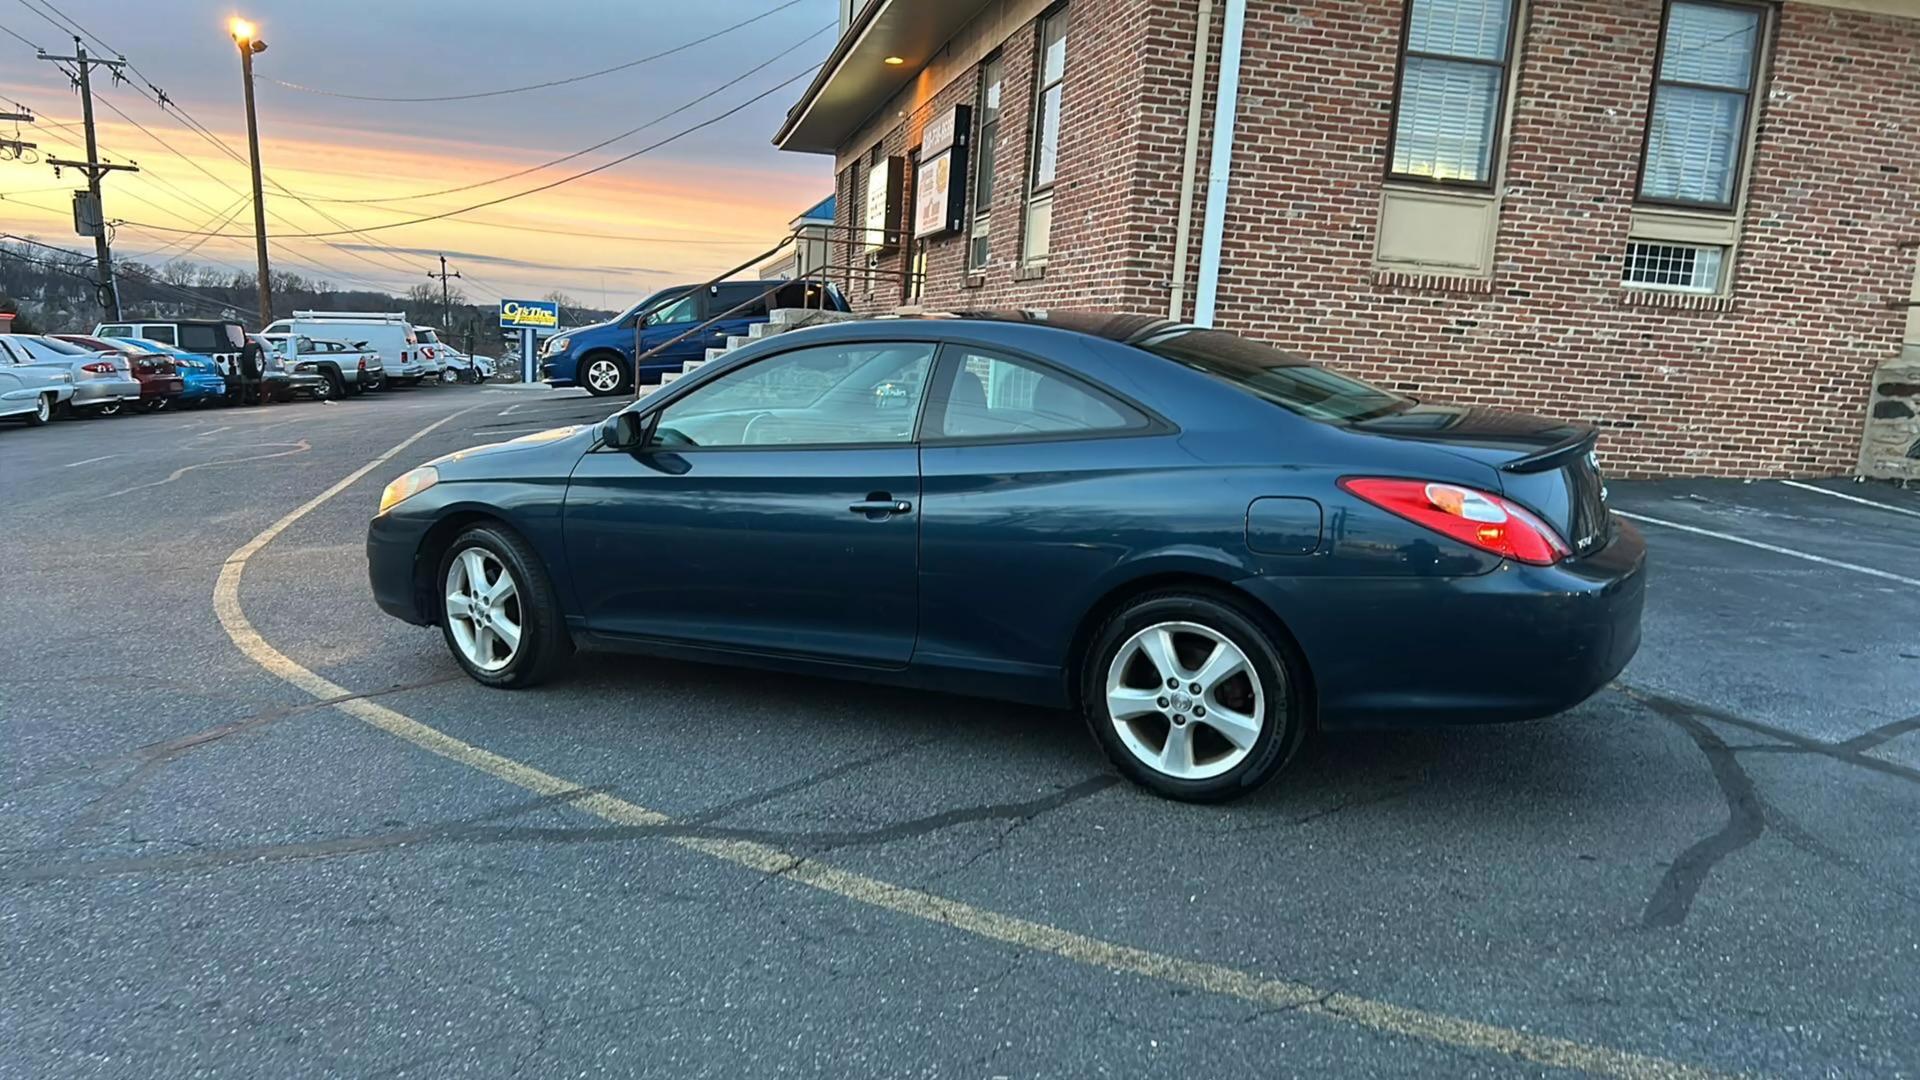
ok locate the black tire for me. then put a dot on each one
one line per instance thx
(111, 408)
(336, 387)
(622, 384)
(43, 411)
(1280, 674)
(544, 641)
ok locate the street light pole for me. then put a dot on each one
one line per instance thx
(243, 36)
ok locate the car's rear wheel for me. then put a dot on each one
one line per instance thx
(111, 408)
(42, 411)
(331, 386)
(1191, 698)
(605, 376)
(498, 610)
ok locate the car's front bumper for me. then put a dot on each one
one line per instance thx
(560, 370)
(393, 544)
(1519, 643)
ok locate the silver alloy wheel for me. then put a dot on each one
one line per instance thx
(483, 609)
(603, 376)
(1185, 700)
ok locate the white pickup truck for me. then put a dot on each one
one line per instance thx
(349, 367)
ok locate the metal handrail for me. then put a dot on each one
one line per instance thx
(814, 277)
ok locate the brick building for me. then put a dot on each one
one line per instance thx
(1692, 222)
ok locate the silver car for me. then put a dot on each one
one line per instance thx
(102, 383)
(29, 390)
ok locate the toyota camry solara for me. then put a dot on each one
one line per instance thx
(1209, 547)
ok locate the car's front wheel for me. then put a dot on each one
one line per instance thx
(605, 375)
(498, 610)
(1191, 698)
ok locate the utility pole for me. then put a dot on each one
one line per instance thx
(88, 217)
(249, 43)
(14, 149)
(446, 296)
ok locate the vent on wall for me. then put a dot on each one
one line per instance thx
(1674, 267)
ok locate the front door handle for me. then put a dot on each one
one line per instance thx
(882, 507)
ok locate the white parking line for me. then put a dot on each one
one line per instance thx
(1876, 504)
(1731, 539)
(89, 461)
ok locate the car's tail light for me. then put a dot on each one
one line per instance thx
(1475, 518)
(100, 367)
(363, 363)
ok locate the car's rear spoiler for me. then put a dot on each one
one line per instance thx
(1577, 444)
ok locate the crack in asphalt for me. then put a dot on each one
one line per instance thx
(1673, 898)
(1882, 734)
(301, 447)
(475, 833)
(1666, 704)
(833, 772)
(145, 757)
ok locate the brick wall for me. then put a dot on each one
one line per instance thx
(1772, 383)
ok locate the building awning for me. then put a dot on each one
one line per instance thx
(857, 79)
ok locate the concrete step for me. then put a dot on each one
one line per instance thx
(737, 341)
(692, 366)
(716, 353)
(668, 376)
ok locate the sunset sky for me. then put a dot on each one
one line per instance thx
(684, 211)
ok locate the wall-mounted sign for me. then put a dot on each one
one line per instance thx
(940, 185)
(529, 315)
(886, 184)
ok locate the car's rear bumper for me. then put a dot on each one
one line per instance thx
(393, 544)
(1519, 643)
(93, 392)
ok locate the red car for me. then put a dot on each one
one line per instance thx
(160, 381)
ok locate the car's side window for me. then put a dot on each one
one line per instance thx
(163, 334)
(855, 394)
(684, 310)
(997, 397)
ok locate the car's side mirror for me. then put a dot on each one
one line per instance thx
(624, 431)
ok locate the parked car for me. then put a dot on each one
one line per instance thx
(200, 380)
(103, 383)
(1205, 544)
(601, 357)
(390, 335)
(220, 340)
(30, 390)
(459, 367)
(348, 367)
(160, 383)
(282, 379)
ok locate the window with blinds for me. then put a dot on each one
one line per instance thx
(1049, 93)
(1452, 90)
(1702, 103)
(986, 153)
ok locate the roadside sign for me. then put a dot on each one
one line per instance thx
(529, 315)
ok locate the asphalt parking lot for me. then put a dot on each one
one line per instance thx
(251, 826)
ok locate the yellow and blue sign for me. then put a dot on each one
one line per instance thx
(529, 315)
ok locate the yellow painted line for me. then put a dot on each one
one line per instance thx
(1363, 1012)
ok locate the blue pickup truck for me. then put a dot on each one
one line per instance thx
(600, 357)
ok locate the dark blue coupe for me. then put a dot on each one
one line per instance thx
(1208, 546)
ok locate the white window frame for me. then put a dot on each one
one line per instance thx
(1039, 194)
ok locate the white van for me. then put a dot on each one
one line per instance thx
(388, 333)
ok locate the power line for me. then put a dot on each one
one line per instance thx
(555, 82)
(728, 85)
(676, 136)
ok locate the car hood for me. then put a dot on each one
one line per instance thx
(473, 459)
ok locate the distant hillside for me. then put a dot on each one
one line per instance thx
(54, 293)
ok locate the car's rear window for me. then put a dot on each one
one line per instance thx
(1267, 373)
(64, 348)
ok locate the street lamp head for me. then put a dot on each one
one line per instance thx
(241, 29)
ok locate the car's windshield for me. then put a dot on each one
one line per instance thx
(1271, 375)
